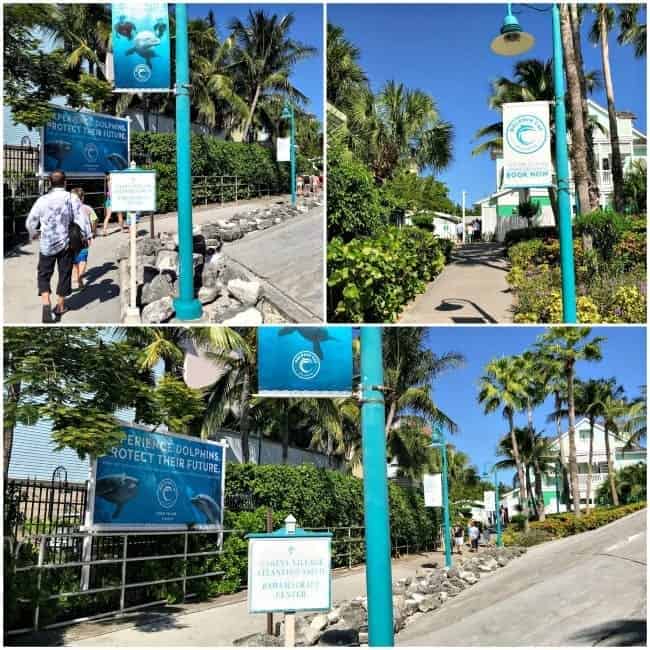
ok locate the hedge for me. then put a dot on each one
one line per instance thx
(252, 163)
(370, 279)
(566, 524)
(524, 234)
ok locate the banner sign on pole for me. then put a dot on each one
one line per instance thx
(310, 361)
(432, 484)
(159, 481)
(527, 158)
(289, 573)
(284, 149)
(141, 47)
(84, 143)
(489, 500)
(133, 191)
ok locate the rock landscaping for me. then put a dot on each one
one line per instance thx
(229, 294)
(347, 623)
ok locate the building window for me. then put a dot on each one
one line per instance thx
(605, 164)
(584, 434)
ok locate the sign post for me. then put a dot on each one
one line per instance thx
(303, 560)
(288, 114)
(132, 191)
(438, 440)
(379, 584)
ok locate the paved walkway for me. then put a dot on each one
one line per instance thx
(471, 289)
(216, 623)
(99, 302)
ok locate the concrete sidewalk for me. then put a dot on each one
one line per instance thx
(471, 289)
(100, 302)
(215, 623)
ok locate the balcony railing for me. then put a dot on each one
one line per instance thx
(605, 177)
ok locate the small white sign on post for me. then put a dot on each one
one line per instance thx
(489, 501)
(432, 484)
(527, 158)
(133, 191)
(284, 149)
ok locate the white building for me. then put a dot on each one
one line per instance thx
(620, 457)
(499, 210)
(444, 224)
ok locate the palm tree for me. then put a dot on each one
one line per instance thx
(566, 346)
(599, 34)
(264, 57)
(579, 144)
(230, 395)
(589, 399)
(636, 420)
(503, 387)
(631, 31)
(614, 407)
(345, 77)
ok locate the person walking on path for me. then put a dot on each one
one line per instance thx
(458, 538)
(477, 230)
(474, 534)
(107, 210)
(55, 212)
(459, 232)
(80, 260)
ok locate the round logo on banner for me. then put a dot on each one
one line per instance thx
(167, 493)
(142, 73)
(91, 152)
(526, 134)
(305, 365)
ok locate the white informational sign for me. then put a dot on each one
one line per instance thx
(527, 158)
(284, 149)
(489, 502)
(133, 191)
(432, 484)
(289, 574)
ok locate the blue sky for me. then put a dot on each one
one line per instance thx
(307, 28)
(445, 50)
(455, 391)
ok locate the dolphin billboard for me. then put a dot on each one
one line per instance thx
(84, 143)
(311, 361)
(141, 46)
(158, 480)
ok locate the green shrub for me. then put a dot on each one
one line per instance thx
(251, 163)
(371, 279)
(565, 524)
(353, 200)
(604, 227)
(423, 221)
(524, 234)
(631, 485)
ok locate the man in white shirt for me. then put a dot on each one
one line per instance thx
(55, 211)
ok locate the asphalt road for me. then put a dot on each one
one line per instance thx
(589, 589)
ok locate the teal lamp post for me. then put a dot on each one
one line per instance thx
(438, 440)
(513, 41)
(288, 114)
(497, 505)
(186, 305)
(379, 584)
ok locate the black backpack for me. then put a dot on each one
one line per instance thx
(75, 235)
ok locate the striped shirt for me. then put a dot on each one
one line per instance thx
(55, 211)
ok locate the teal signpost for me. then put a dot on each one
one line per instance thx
(438, 440)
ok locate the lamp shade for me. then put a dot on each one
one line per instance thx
(512, 40)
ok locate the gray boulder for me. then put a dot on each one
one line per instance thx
(339, 635)
(208, 294)
(159, 287)
(248, 293)
(258, 640)
(167, 261)
(250, 317)
(159, 311)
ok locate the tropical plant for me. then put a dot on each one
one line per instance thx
(632, 32)
(631, 485)
(635, 187)
(345, 77)
(565, 346)
(528, 210)
(614, 408)
(636, 421)
(503, 386)
(263, 58)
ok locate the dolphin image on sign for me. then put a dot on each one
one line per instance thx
(209, 507)
(125, 28)
(58, 149)
(316, 335)
(144, 44)
(160, 27)
(117, 489)
(118, 161)
(521, 134)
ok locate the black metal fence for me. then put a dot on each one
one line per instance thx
(34, 507)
